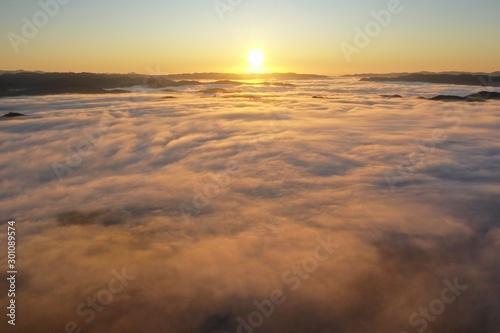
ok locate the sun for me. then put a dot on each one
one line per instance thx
(256, 59)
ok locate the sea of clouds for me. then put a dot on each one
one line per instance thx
(207, 204)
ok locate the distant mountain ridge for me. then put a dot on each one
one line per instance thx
(497, 73)
(193, 76)
(34, 83)
(460, 79)
(256, 76)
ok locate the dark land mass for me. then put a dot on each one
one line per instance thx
(267, 83)
(482, 96)
(462, 79)
(57, 90)
(478, 97)
(448, 98)
(370, 75)
(392, 75)
(21, 84)
(486, 95)
(13, 115)
(34, 84)
(391, 96)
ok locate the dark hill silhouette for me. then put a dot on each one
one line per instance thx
(478, 97)
(13, 115)
(392, 75)
(462, 79)
(32, 84)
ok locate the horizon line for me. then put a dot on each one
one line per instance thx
(458, 72)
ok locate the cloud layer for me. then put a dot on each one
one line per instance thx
(208, 201)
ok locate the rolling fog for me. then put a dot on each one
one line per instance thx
(350, 213)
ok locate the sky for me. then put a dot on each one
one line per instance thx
(320, 36)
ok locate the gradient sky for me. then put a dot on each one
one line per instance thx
(165, 36)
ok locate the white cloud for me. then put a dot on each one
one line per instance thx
(317, 169)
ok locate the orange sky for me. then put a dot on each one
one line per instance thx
(324, 37)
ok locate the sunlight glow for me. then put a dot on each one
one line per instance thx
(256, 59)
